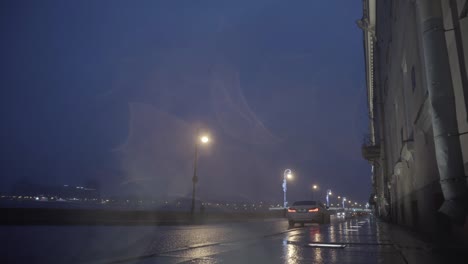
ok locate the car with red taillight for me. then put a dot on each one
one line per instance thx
(307, 212)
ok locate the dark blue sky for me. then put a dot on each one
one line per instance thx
(113, 91)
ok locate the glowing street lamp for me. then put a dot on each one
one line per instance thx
(204, 139)
(343, 202)
(201, 139)
(314, 188)
(286, 175)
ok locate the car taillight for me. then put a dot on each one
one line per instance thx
(313, 210)
(291, 210)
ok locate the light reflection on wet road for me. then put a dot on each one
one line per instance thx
(353, 241)
(357, 241)
(362, 240)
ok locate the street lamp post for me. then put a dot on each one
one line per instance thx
(344, 200)
(203, 140)
(329, 193)
(314, 188)
(286, 175)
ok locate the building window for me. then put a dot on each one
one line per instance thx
(386, 86)
(413, 79)
(391, 8)
(395, 10)
(415, 212)
(401, 135)
(387, 55)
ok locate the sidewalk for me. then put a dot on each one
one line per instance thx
(414, 249)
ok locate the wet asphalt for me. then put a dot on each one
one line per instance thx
(343, 241)
(357, 240)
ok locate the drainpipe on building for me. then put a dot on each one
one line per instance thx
(443, 111)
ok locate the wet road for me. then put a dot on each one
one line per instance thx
(362, 240)
(352, 241)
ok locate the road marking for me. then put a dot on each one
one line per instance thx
(323, 245)
(338, 244)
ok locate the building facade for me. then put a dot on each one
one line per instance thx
(416, 54)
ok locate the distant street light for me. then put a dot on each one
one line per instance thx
(203, 139)
(343, 202)
(286, 175)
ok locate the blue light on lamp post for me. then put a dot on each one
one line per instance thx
(286, 175)
(329, 193)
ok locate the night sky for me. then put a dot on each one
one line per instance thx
(113, 92)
